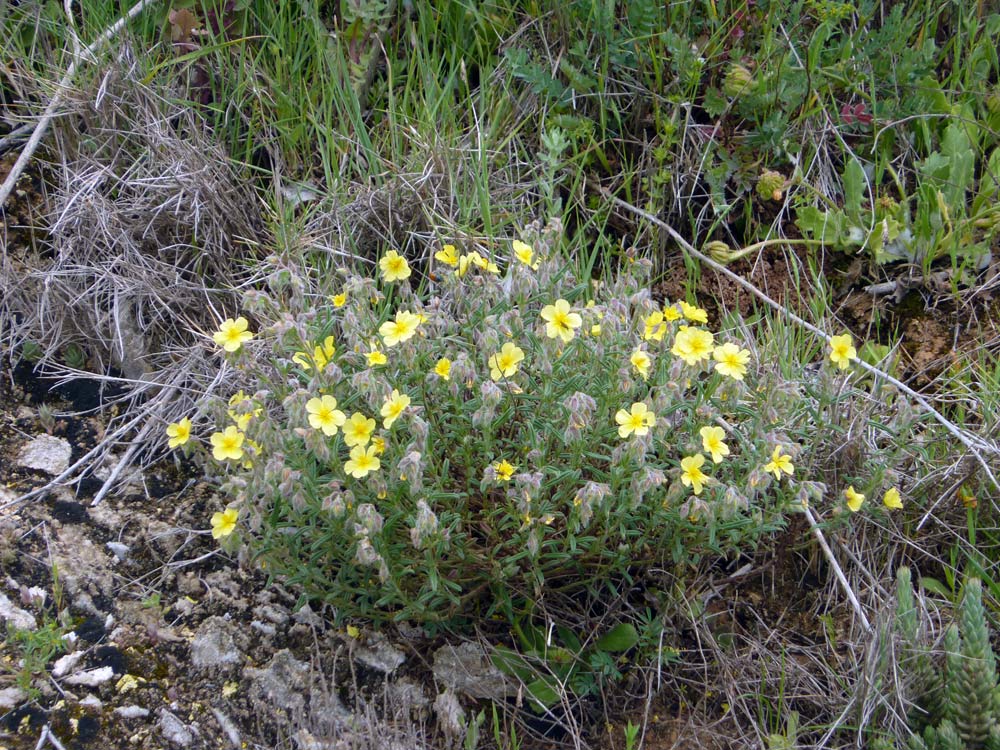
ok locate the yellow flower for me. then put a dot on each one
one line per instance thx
(178, 432)
(693, 313)
(379, 443)
(730, 360)
(595, 330)
(375, 357)
(242, 421)
(447, 255)
(504, 363)
(711, 441)
(394, 266)
(443, 368)
(842, 350)
(655, 326)
(324, 414)
(504, 470)
(232, 334)
(779, 463)
(560, 321)
(692, 344)
(525, 254)
(691, 473)
(321, 355)
(641, 362)
(362, 462)
(671, 313)
(358, 429)
(477, 260)
(484, 264)
(854, 499)
(339, 300)
(400, 329)
(224, 523)
(637, 420)
(394, 407)
(892, 500)
(227, 444)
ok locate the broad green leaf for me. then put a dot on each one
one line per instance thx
(542, 692)
(827, 226)
(621, 637)
(511, 663)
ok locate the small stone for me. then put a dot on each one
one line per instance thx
(119, 550)
(10, 697)
(46, 453)
(264, 628)
(282, 683)
(92, 702)
(65, 664)
(132, 712)
(229, 727)
(380, 655)
(213, 644)
(467, 669)
(174, 730)
(15, 616)
(91, 677)
(451, 715)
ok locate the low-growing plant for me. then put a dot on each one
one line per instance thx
(953, 694)
(516, 444)
(553, 664)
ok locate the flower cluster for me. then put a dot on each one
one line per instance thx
(410, 453)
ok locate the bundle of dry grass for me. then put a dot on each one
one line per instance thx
(149, 238)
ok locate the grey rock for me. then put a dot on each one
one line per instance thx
(282, 683)
(378, 654)
(174, 730)
(65, 664)
(46, 453)
(15, 616)
(132, 712)
(229, 727)
(119, 550)
(213, 644)
(407, 697)
(10, 697)
(467, 669)
(450, 714)
(91, 677)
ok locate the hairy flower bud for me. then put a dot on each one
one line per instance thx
(738, 81)
(771, 185)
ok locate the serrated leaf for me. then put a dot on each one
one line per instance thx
(620, 638)
(715, 104)
(826, 226)
(854, 189)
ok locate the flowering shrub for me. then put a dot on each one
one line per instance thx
(522, 439)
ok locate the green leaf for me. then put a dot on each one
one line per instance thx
(511, 663)
(854, 189)
(827, 226)
(542, 692)
(715, 103)
(620, 638)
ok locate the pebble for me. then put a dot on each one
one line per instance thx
(46, 453)
(174, 730)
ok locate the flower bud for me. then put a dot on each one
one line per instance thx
(770, 185)
(738, 81)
